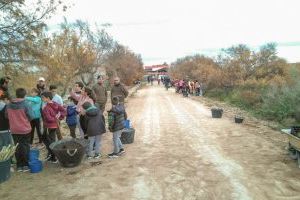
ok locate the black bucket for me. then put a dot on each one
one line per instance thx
(69, 152)
(238, 120)
(127, 136)
(216, 112)
(5, 170)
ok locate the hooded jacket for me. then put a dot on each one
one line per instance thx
(52, 112)
(94, 122)
(19, 114)
(4, 125)
(35, 103)
(118, 116)
(71, 118)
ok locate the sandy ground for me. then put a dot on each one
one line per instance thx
(179, 152)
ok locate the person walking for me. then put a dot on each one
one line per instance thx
(100, 92)
(119, 90)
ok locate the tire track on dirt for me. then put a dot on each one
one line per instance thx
(227, 167)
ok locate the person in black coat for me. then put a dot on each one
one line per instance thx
(4, 81)
(95, 127)
(117, 116)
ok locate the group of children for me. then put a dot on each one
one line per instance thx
(22, 116)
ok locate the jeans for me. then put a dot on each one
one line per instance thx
(49, 136)
(94, 141)
(35, 124)
(117, 141)
(22, 151)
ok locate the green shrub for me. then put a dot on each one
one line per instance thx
(280, 103)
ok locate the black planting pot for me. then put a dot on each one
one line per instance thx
(216, 112)
(238, 120)
(127, 136)
(69, 152)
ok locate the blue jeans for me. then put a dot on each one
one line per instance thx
(117, 141)
(94, 141)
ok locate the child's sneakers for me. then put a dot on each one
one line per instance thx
(25, 169)
(97, 156)
(121, 151)
(89, 157)
(20, 169)
(113, 155)
(53, 160)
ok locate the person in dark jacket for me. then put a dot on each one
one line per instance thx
(95, 124)
(117, 116)
(5, 135)
(41, 85)
(19, 115)
(71, 118)
(4, 125)
(119, 90)
(4, 81)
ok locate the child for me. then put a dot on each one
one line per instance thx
(71, 118)
(52, 112)
(19, 115)
(35, 103)
(117, 116)
(95, 125)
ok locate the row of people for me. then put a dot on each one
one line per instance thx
(22, 115)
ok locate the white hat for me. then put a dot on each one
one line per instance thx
(42, 79)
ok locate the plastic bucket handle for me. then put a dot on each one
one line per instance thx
(71, 154)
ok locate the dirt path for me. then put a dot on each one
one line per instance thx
(180, 152)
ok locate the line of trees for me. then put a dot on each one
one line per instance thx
(259, 81)
(77, 51)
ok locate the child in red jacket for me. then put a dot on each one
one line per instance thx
(20, 114)
(52, 113)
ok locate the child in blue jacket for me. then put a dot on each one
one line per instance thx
(71, 116)
(35, 103)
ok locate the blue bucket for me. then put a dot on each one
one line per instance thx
(34, 155)
(35, 166)
(127, 123)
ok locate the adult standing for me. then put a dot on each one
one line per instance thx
(101, 94)
(41, 85)
(85, 96)
(4, 81)
(119, 90)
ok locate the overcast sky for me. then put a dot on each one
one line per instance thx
(164, 30)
